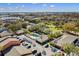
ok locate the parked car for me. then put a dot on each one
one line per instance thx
(26, 44)
(43, 52)
(38, 54)
(46, 45)
(34, 52)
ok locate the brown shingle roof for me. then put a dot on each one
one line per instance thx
(9, 42)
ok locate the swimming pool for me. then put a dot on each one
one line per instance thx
(35, 36)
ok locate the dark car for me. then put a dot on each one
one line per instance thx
(44, 52)
(46, 45)
(34, 51)
(38, 54)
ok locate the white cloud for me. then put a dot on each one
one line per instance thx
(34, 3)
(44, 4)
(8, 3)
(16, 7)
(52, 6)
(23, 5)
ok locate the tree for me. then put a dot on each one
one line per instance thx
(26, 31)
(69, 26)
(45, 18)
(77, 23)
(57, 54)
(70, 48)
(55, 35)
(53, 17)
(16, 26)
(38, 27)
(1, 23)
(24, 25)
(35, 28)
(36, 20)
(46, 31)
(12, 27)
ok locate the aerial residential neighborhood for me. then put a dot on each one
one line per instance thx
(39, 33)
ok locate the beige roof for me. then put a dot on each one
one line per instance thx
(66, 39)
(48, 51)
(3, 38)
(41, 39)
(19, 51)
(5, 33)
(44, 38)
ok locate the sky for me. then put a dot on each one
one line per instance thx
(39, 7)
